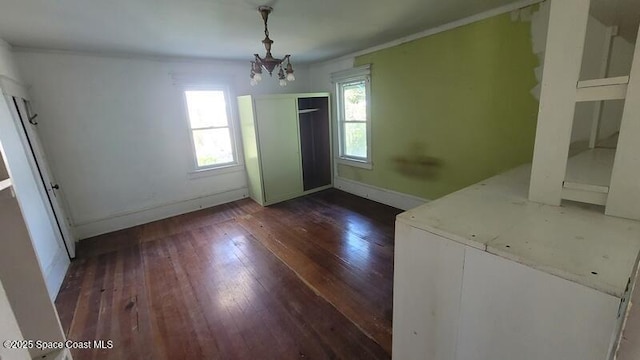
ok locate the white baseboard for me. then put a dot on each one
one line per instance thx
(131, 219)
(54, 275)
(118, 222)
(384, 196)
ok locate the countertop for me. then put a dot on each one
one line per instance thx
(574, 241)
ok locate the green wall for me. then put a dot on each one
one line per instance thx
(461, 97)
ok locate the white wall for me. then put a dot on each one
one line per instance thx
(116, 133)
(592, 59)
(621, 57)
(46, 241)
(320, 73)
(619, 65)
(8, 66)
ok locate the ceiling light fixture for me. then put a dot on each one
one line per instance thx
(269, 63)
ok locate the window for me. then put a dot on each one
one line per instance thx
(354, 125)
(212, 133)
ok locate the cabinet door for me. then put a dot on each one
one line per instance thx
(511, 311)
(427, 283)
(277, 120)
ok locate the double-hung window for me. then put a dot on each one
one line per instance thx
(354, 116)
(211, 126)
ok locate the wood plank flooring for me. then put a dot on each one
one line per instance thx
(308, 278)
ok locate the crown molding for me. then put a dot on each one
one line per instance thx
(128, 56)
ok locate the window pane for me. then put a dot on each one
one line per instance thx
(355, 139)
(206, 108)
(213, 146)
(355, 101)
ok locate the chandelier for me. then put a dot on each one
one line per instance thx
(269, 63)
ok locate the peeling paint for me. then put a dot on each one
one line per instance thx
(539, 27)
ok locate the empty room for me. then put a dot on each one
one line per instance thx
(416, 180)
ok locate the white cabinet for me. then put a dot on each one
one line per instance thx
(286, 142)
(510, 311)
(426, 299)
(484, 274)
(453, 301)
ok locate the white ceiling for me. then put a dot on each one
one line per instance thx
(224, 29)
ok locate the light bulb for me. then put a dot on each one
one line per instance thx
(257, 77)
(290, 77)
(254, 82)
(283, 82)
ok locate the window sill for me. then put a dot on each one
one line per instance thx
(355, 163)
(227, 169)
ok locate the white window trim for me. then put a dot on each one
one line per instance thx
(227, 169)
(217, 169)
(356, 74)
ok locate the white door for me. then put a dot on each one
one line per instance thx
(29, 123)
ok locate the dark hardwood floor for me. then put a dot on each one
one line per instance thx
(308, 278)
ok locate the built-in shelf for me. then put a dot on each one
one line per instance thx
(588, 176)
(306, 111)
(602, 89)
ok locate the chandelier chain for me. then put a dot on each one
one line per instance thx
(266, 29)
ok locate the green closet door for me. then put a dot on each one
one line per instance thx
(250, 147)
(277, 120)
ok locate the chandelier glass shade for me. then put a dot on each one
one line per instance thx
(268, 62)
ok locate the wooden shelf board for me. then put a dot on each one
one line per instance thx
(5, 184)
(620, 80)
(582, 195)
(600, 93)
(590, 170)
(586, 187)
(306, 111)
